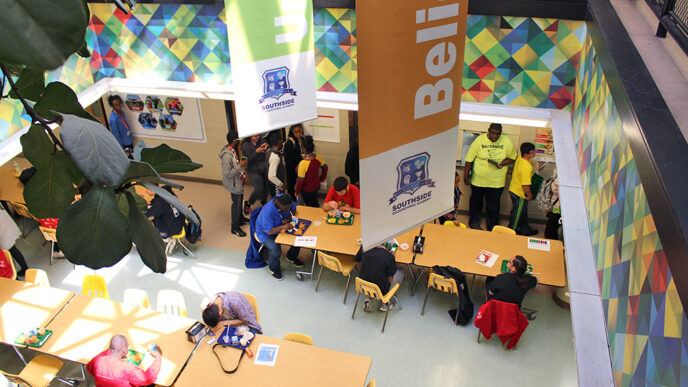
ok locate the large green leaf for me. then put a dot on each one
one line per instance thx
(41, 33)
(31, 84)
(147, 239)
(94, 150)
(13, 69)
(173, 201)
(50, 190)
(143, 172)
(92, 231)
(59, 98)
(168, 160)
(123, 205)
(37, 146)
(65, 163)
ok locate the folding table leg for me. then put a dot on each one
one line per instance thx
(415, 284)
(304, 273)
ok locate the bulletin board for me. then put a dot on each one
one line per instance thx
(165, 117)
(325, 127)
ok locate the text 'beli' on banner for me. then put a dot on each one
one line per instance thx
(410, 65)
(273, 63)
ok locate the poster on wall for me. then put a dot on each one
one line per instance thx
(158, 116)
(544, 145)
(325, 127)
(273, 63)
(408, 111)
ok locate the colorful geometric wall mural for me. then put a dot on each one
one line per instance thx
(335, 50)
(647, 329)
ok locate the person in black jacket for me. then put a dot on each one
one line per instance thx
(165, 217)
(351, 165)
(293, 156)
(254, 150)
(513, 285)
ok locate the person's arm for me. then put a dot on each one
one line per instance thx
(273, 163)
(229, 167)
(291, 154)
(330, 203)
(248, 151)
(301, 175)
(116, 128)
(526, 190)
(278, 229)
(511, 155)
(467, 171)
(323, 173)
(505, 162)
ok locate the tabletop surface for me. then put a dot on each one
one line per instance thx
(25, 306)
(331, 237)
(459, 247)
(296, 365)
(11, 189)
(84, 328)
(406, 256)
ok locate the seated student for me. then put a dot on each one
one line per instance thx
(343, 196)
(230, 308)
(379, 267)
(110, 369)
(165, 217)
(274, 218)
(512, 286)
(451, 216)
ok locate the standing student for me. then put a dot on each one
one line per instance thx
(554, 213)
(351, 167)
(233, 178)
(276, 173)
(519, 191)
(293, 149)
(485, 173)
(254, 150)
(119, 126)
(312, 170)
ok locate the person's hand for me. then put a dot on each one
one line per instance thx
(243, 163)
(332, 204)
(158, 351)
(500, 165)
(288, 226)
(467, 180)
(286, 220)
(529, 197)
(345, 208)
(262, 148)
(457, 223)
(281, 188)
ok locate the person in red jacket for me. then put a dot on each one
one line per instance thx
(110, 369)
(312, 170)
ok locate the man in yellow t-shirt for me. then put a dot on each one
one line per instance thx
(519, 190)
(485, 173)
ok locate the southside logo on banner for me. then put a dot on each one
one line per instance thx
(408, 131)
(273, 63)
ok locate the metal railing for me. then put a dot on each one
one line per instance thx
(673, 18)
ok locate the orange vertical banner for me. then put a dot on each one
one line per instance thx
(410, 67)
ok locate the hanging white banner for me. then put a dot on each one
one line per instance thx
(273, 63)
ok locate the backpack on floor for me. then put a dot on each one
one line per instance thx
(193, 231)
(544, 196)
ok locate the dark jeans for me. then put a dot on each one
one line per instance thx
(276, 253)
(491, 197)
(260, 187)
(237, 200)
(310, 198)
(18, 257)
(518, 218)
(552, 227)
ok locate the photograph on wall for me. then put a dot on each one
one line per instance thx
(154, 104)
(174, 106)
(325, 127)
(134, 103)
(544, 145)
(163, 116)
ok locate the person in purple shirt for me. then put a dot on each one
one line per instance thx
(274, 218)
(119, 126)
(230, 309)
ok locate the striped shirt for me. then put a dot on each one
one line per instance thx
(236, 307)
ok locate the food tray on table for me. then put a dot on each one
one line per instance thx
(134, 357)
(300, 228)
(340, 220)
(225, 338)
(505, 269)
(39, 338)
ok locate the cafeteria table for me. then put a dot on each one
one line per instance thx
(84, 328)
(296, 365)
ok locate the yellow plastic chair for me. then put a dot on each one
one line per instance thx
(371, 383)
(37, 276)
(254, 304)
(299, 338)
(451, 223)
(40, 371)
(444, 285)
(95, 286)
(176, 240)
(136, 297)
(50, 235)
(22, 210)
(342, 264)
(373, 291)
(171, 302)
(503, 230)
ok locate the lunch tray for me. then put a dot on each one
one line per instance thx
(303, 226)
(130, 357)
(41, 339)
(506, 261)
(347, 222)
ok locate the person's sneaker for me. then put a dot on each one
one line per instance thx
(393, 304)
(247, 209)
(238, 232)
(294, 261)
(475, 226)
(277, 275)
(367, 305)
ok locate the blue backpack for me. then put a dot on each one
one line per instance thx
(193, 231)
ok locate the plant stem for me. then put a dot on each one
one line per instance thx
(29, 109)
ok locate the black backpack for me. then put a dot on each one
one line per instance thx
(193, 231)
